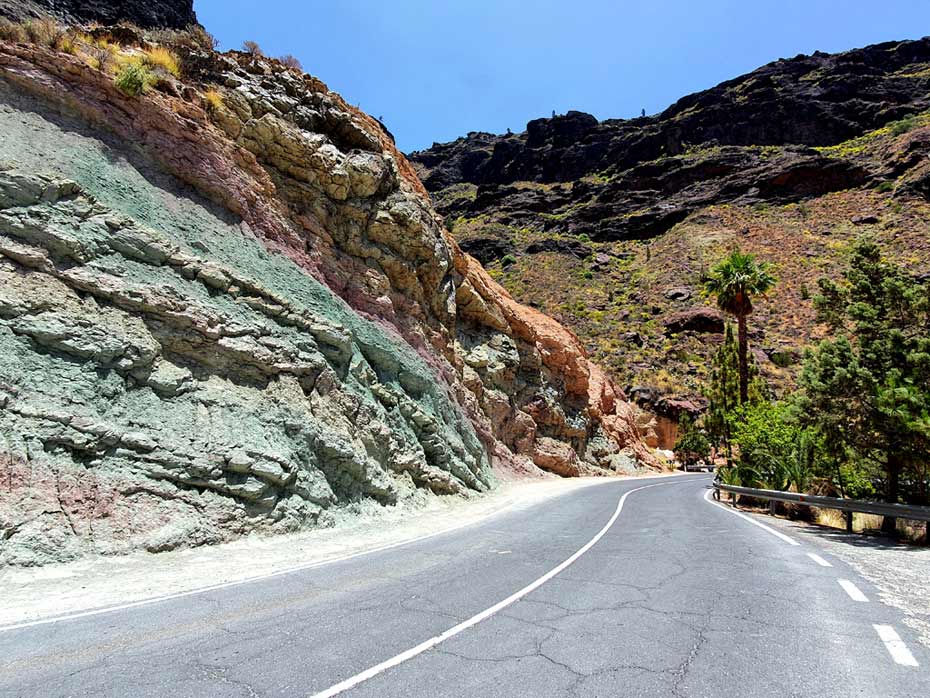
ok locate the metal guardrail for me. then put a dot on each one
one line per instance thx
(899, 511)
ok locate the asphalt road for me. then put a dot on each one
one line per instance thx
(677, 597)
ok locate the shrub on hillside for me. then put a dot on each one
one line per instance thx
(291, 62)
(42, 32)
(202, 38)
(213, 101)
(161, 58)
(102, 56)
(885, 187)
(133, 78)
(12, 32)
(252, 48)
(45, 32)
(898, 128)
(192, 38)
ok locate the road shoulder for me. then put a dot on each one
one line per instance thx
(37, 594)
(899, 571)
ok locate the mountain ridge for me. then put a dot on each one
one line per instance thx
(153, 14)
(578, 216)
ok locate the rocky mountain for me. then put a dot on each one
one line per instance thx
(609, 226)
(152, 14)
(227, 305)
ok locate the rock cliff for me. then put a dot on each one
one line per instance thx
(609, 226)
(227, 305)
(170, 14)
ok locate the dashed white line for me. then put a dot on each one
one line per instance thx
(779, 534)
(854, 593)
(892, 641)
(895, 645)
(363, 676)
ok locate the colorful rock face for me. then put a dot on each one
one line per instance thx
(217, 323)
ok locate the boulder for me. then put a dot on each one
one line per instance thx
(702, 319)
(679, 293)
(555, 456)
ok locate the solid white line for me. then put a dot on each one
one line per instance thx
(259, 577)
(895, 645)
(779, 534)
(474, 620)
(819, 560)
(852, 590)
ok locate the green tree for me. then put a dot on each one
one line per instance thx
(800, 465)
(767, 438)
(734, 282)
(868, 390)
(723, 393)
(692, 445)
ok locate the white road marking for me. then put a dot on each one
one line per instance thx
(819, 560)
(895, 645)
(779, 534)
(268, 575)
(363, 676)
(852, 590)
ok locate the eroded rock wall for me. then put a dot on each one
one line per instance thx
(214, 324)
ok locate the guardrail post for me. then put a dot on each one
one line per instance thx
(849, 522)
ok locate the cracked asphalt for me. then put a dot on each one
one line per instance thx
(679, 598)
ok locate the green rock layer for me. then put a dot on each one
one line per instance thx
(166, 381)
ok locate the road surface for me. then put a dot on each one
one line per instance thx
(630, 588)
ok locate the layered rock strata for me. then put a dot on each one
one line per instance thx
(224, 317)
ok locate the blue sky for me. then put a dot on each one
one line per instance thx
(436, 70)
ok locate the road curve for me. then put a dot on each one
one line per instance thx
(666, 595)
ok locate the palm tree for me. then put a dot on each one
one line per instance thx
(734, 281)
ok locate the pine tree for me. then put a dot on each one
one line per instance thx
(724, 392)
(868, 390)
